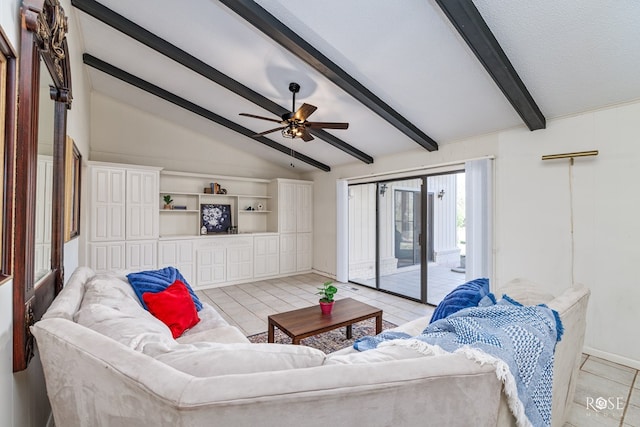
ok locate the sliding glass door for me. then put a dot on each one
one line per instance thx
(406, 236)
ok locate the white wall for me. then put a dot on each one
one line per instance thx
(533, 219)
(532, 214)
(23, 400)
(10, 25)
(121, 133)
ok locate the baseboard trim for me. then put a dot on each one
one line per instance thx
(635, 364)
(323, 273)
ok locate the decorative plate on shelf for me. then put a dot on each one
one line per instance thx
(217, 218)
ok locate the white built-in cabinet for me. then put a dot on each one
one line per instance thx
(211, 266)
(224, 260)
(266, 256)
(141, 207)
(123, 226)
(130, 228)
(294, 204)
(178, 253)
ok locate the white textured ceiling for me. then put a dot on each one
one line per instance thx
(573, 56)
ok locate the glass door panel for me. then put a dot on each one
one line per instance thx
(400, 226)
(445, 269)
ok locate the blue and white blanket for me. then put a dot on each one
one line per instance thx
(519, 341)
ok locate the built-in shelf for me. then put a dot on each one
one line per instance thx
(188, 189)
(242, 196)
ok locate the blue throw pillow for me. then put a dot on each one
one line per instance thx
(466, 295)
(157, 281)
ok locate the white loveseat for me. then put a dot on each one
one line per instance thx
(116, 365)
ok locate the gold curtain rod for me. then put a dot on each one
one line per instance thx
(570, 155)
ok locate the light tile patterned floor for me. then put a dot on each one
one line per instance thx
(607, 394)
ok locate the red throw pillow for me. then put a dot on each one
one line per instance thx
(174, 306)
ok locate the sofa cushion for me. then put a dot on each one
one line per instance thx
(112, 292)
(174, 307)
(209, 319)
(379, 354)
(133, 329)
(222, 334)
(213, 359)
(466, 295)
(159, 280)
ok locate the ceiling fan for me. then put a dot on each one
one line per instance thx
(295, 124)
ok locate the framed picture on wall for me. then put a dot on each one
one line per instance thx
(217, 218)
(73, 164)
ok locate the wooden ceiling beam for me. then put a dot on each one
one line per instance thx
(136, 32)
(122, 75)
(283, 35)
(474, 30)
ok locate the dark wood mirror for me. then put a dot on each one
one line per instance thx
(39, 224)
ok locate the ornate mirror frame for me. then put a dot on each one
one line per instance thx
(43, 35)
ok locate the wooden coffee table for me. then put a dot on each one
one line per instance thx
(305, 322)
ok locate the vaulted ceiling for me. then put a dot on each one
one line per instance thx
(405, 74)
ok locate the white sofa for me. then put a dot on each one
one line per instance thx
(211, 376)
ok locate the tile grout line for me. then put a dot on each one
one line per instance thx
(626, 407)
(605, 377)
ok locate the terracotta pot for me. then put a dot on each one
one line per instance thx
(168, 206)
(326, 307)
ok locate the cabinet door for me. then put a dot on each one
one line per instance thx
(141, 255)
(287, 207)
(142, 205)
(211, 266)
(304, 208)
(266, 256)
(239, 263)
(107, 198)
(304, 251)
(106, 256)
(287, 253)
(178, 254)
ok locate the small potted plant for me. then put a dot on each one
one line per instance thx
(326, 292)
(167, 201)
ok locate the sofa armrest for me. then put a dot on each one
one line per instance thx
(524, 291)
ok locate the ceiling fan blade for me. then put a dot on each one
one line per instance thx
(268, 131)
(304, 111)
(260, 117)
(327, 125)
(306, 136)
